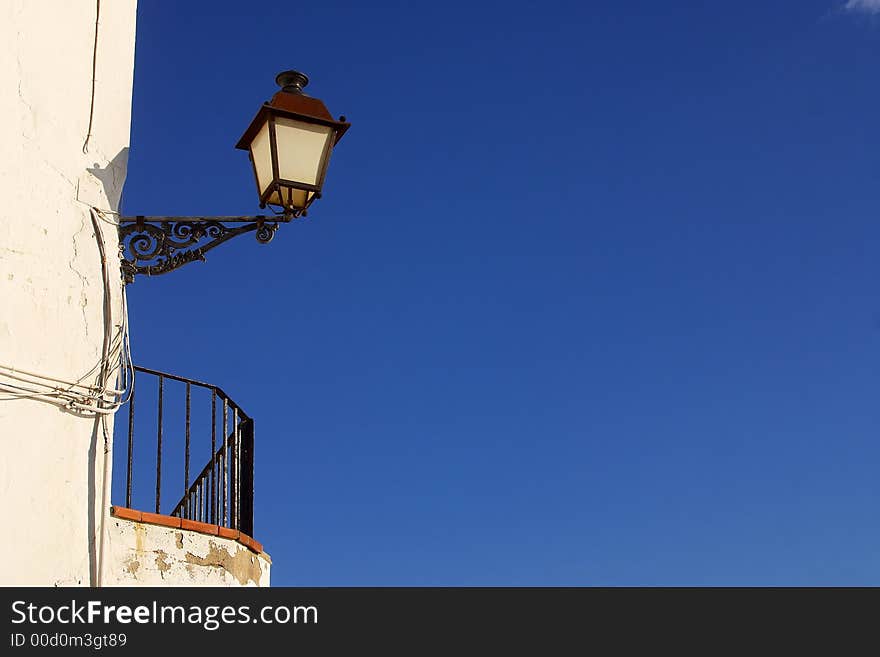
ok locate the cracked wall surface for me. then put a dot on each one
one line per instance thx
(51, 288)
(153, 555)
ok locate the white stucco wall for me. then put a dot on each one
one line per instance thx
(151, 555)
(51, 287)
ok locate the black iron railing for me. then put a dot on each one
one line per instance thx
(222, 492)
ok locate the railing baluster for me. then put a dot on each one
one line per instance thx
(130, 442)
(213, 455)
(238, 473)
(186, 460)
(233, 515)
(159, 444)
(225, 462)
(246, 523)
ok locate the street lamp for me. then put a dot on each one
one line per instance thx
(289, 142)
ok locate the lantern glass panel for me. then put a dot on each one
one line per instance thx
(299, 198)
(262, 154)
(302, 148)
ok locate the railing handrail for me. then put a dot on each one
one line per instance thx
(182, 379)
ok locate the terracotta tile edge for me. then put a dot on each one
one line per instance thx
(206, 528)
(226, 532)
(125, 513)
(199, 526)
(160, 519)
(249, 542)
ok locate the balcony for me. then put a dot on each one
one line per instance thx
(187, 453)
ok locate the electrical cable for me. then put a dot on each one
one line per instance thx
(85, 148)
(98, 398)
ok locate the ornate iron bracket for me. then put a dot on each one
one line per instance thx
(157, 245)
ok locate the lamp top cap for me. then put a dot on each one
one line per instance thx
(292, 82)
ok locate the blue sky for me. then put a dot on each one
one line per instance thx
(591, 297)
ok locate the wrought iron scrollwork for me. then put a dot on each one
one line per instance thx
(157, 245)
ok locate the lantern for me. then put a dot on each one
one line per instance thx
(290, 141)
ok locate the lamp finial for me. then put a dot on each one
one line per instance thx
(292, 82)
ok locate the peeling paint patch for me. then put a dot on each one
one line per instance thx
(140, 534)
(132, 566)
(243, 565)
(161, 561)
(179, 540)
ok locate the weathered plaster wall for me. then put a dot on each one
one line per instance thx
(51, 288)
(152, 555)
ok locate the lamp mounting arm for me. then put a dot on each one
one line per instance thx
(158, 245)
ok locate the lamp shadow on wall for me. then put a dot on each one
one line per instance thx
(112, 177)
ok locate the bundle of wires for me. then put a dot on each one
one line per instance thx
(93, 393)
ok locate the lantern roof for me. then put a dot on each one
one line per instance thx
(292, 103)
